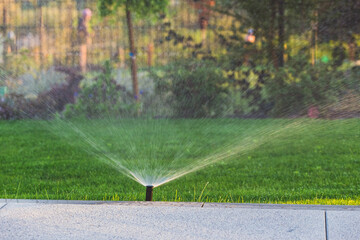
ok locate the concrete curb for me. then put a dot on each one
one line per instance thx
(192, 204)
(68, 219)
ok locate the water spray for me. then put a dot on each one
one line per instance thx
(149, 193)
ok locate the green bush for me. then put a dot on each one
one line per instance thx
(193, 89)
(299, 85)
(12, 107)
(20, 63)
(246, 85)
(351, 79)
(102, 97)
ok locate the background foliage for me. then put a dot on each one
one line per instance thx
(299, 59)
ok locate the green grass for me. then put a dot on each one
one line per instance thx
(318, 162)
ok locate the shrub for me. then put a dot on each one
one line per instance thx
(20, 63)
(246, 85)
(346, 107)
(44, 104)
(193, 88)
(299, 85)
(12, 107)
(35, 82)
(351, 79)
(102, 96)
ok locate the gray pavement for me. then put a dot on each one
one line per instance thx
(38, 219)
(343, 224)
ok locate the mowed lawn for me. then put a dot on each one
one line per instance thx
(319, 163)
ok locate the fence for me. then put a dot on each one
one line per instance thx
(46, 33)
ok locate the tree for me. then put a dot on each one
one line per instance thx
(275, 20)
(340, 21)
(262, 16)
(204, 9)
(141, 8)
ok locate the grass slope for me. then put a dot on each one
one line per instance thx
(318, 163)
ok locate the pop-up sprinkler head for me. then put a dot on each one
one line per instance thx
(149, 193)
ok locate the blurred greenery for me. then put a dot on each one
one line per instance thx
(102, 96)
(195, 89)
(229, 22)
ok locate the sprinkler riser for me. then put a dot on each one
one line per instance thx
(149, 193)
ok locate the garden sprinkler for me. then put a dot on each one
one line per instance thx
(149, 193)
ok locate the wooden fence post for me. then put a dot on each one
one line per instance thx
(84, 37)
(150, 53)
(42, 38)
(4, 33)
(122, 57)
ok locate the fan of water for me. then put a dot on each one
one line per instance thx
(153, 149)
(156, 151)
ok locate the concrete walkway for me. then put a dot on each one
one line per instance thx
(36, 219)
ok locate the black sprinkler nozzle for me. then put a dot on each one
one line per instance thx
(149, 193)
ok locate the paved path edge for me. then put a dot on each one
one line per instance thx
(191, 204)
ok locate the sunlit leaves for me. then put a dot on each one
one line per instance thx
(141, 8)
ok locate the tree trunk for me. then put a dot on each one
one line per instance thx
(4, 32)
(272, 56)
(352, 49)
(42, 37)
(121, 53)
(150, 52)
(132, 55)
(314, 38)
(352, 40)
(281, 24)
